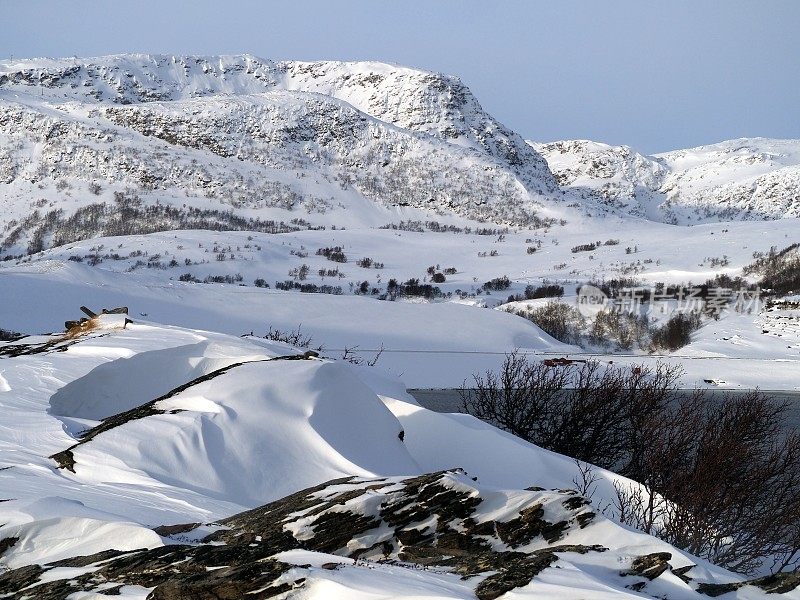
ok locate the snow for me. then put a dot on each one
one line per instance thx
(748, 178)
(255, 433)
(285, 413)
(450, 328)
(349, 147)
(457, 337)
(52, 539)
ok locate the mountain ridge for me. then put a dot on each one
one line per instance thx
(739, 179)
(301, 144)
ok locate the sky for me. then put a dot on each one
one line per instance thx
(654, 75)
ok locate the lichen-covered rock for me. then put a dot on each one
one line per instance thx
(650, 565)
(437, 519)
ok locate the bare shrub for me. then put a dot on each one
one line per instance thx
(518, 398)
(300, 272)
(336, 254)
(585, 247)
(7, 335)
(618, 327)
(722, 481)
(780, 270)
(718, 476)
(498, 283)
(295, 338)
(543, 291)
(676, 332)
(558, 320)
(353, 356)
(589, 411)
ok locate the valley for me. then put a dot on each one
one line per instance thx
(300, 262)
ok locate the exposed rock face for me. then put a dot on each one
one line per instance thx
(651, 565)
(439, 520)
(431, 520)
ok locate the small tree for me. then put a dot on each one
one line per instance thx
(559, 320)
(676, 332)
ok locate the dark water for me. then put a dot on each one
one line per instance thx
(449, 400)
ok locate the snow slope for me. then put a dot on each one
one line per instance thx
(255, 427)
(428, 344)
(743, 179)
(299, 143)
(447, 331)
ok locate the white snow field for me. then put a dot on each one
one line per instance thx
(437, 344)
(153, 151)
(220, 198)
(253, 428)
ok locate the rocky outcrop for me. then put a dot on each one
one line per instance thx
(436, 519)
(439, 520)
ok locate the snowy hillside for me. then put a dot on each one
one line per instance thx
(129, 144)
(242, 143)
(149, 461)
(297, 244)
(745, 179)
(240, 282)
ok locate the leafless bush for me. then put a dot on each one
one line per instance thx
(9, 336)
(780, 270)
(586, 479)
(498, 283)
(335, 253)
(517, 398)
(722, 481)
(543, 291)
(295, 338)
(353, 356)
(559, 320)
(586, 247)
(675, 333)
(589, 412)
(300, 272)
(718, 476)
(620, 328)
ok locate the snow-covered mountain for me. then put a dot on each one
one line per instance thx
(140, 143)
(231, 196)
(744, 179)
(284, 141)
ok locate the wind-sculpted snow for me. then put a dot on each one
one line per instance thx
(238, 433)
(745, 179)
(254, 430)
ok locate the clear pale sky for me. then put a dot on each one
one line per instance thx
(654, 75)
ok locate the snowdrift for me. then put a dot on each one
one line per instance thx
(253, 425)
